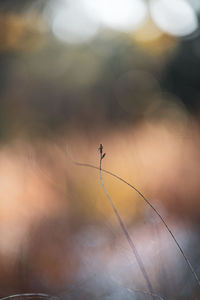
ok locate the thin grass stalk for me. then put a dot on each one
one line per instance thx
(127, 235)
(192, 270)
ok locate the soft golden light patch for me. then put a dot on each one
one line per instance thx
(147, 32)
(151, 38)
(20, 32)
(169, 164)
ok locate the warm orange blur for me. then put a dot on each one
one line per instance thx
(39, 183)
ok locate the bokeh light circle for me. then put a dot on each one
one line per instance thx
(176, 18)
(69, 21)
(121, 15)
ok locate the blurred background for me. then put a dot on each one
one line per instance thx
(74, 74)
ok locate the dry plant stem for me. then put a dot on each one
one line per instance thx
(131, 244)
(31, 295)
(154, 209)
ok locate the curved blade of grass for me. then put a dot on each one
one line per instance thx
(153, 208)
(30, 295)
